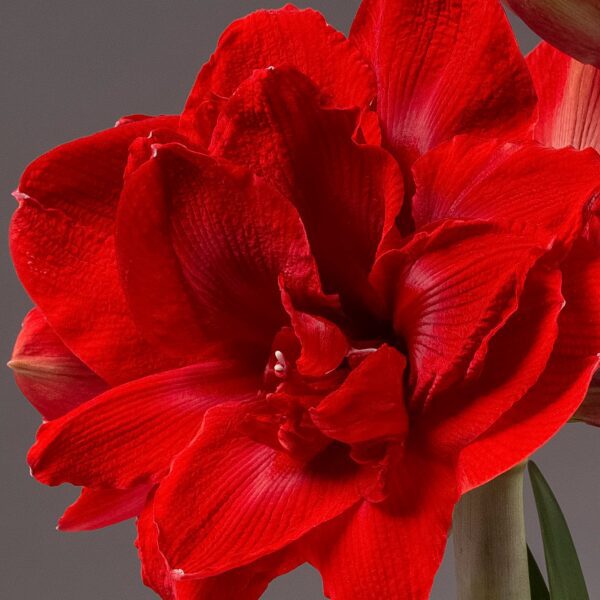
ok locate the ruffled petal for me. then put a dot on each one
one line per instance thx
(245, 583)
(443, 68)
(296, 38)
(62, 245)
(219, 239)
(450, 290)
(130, 434)
(323, 344)
(558, 393)
(573, 27)
(496, 181)
(97, 508)
(530, 423)
(569, 97)
(369, 405)
(276, 125)
(51, 377)
(390, 550)
(512, 362)
(244, 500)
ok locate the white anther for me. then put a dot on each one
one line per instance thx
(280, 367)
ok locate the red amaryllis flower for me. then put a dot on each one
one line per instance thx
(299, 321)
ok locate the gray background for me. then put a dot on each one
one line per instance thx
(69, 68)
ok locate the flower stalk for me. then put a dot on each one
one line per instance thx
(489, 541)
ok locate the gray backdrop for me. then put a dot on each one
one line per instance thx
(69, 68)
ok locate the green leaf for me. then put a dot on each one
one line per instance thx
(539, 589)
(564, 571)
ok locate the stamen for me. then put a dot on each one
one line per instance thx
(281, 367)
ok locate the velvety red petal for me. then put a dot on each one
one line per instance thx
(245, 583)
(347, 194)
(369, 404)
(443, 68)
(100, 508)
(130, 434)
(580, 323)
(229, 234)
(297, 38)
(161, 301)
(514, 359)
(451, 289)
(492, 180)
(62, 245)
(569, 98)
(530, 423)
(574, 27)
(558, 393)
(390, 550)
(229, 500)
(52, 378)
(323, 344)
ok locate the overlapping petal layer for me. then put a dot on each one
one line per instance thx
(443, 68)
(215, 234)
(274, 38)
(276, 125)
(130, 434)
(52, 378)
(224, 475)
(351, 556)
(527, 185)
(62, 243)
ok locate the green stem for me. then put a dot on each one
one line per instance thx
(489, 541)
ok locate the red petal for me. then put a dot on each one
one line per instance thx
(369, 404)
(347, 194)
(390, 551)
(443, 68)
(245, 583)
(100, 508)
(323, 344)
(467, 179)
(514, 360)
(244, 500)
(530, 423)
(559, 391)
(162, 303)
(130, 434)
(63, 249)
(580, 323)
(569, 99)
(52, 378)
(574, 27)
(229, 234)
(451, 290)
(297, 38)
